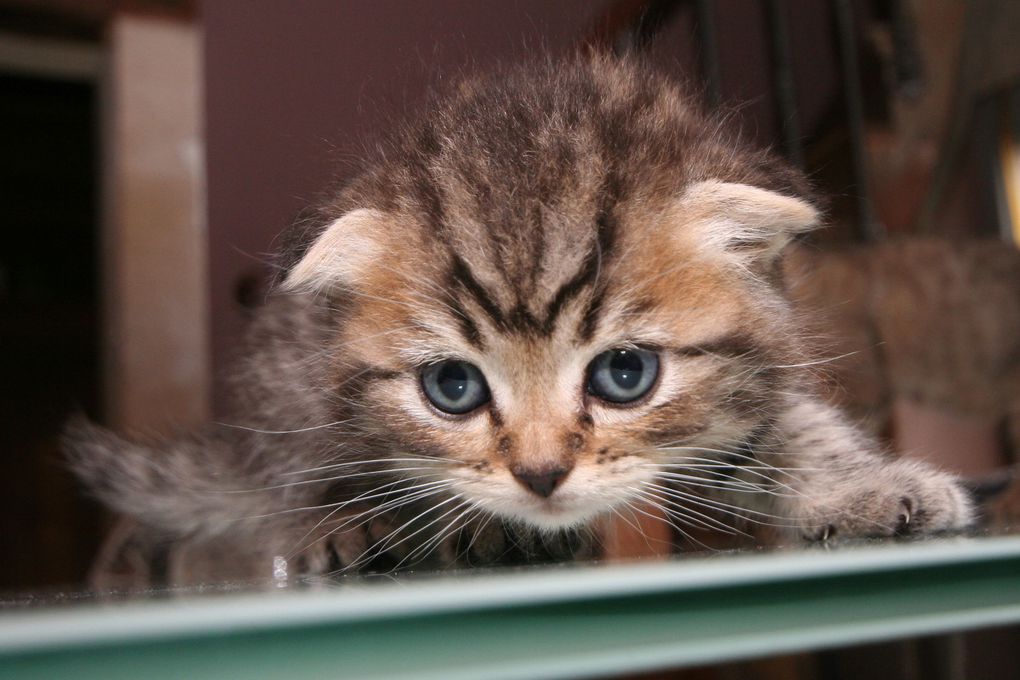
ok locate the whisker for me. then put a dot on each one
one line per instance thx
(694, 465)
(421, 459)
(735, 485)
(391, 505)
(478, 530)
(428, 546)
(339, 504)
(720, 506)
(634, 524)
(301, 429)
(783, 470)
(386, 543)
(671, 517)
(373, 512)
(351, 475)
(719, 473)
(817, 361)
(691, 514)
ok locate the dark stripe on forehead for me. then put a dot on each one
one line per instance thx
(538, 247)
(461, 276)
(589, 322)
(584, 277)
(468, 327)
(423, 183)
(605, 239)
(605, 221)
(521, 319)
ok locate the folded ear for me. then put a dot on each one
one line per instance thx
(341, 254)
(746, 222)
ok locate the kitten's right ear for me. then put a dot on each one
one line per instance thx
(341, 254)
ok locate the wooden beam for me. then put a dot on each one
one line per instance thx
(154, 259)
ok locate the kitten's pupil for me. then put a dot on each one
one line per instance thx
(625, 368)
(452, 380)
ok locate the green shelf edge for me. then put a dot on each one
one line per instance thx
(564, 622)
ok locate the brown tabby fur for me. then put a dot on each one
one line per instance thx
(529, 221)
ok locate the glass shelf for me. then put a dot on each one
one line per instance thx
(559, 622)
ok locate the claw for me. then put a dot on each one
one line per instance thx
(905, 516)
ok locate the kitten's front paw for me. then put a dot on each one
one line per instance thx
(902, 498)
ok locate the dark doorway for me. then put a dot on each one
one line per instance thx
(49, 324)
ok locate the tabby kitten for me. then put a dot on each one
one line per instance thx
(553, 299)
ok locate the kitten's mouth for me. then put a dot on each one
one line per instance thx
(577, 503)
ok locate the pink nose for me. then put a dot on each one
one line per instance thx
(542, 483)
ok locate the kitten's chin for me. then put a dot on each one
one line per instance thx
(550, 514)
(558, 521)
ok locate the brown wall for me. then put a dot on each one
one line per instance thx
(294, 89)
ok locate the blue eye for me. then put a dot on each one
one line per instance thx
(623, 375)
(454, 386)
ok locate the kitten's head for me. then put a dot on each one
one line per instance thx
(557, 275)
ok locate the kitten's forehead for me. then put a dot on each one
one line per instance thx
(522, 229)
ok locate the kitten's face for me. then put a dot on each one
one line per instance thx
(551, 399)
(552, 280)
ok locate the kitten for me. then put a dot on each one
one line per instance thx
(553, 299)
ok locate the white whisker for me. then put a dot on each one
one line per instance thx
(671, 518)
(421, 459)
(352, 475)
(817, 361)
(373, 513)
(690, 513)
(386, 543)
(300, 429)
(341, 504)
(720, 506)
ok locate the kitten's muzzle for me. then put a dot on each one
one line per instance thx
(543, 482)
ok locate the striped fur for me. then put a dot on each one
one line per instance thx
(529, 221)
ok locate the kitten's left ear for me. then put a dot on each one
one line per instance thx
(341, 254)
(748, 222)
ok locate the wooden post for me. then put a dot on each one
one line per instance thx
(154, 232)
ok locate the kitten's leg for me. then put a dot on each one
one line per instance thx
(842, 486)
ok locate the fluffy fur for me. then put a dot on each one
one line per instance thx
(527, 223)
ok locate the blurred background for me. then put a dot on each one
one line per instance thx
(153, 150)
